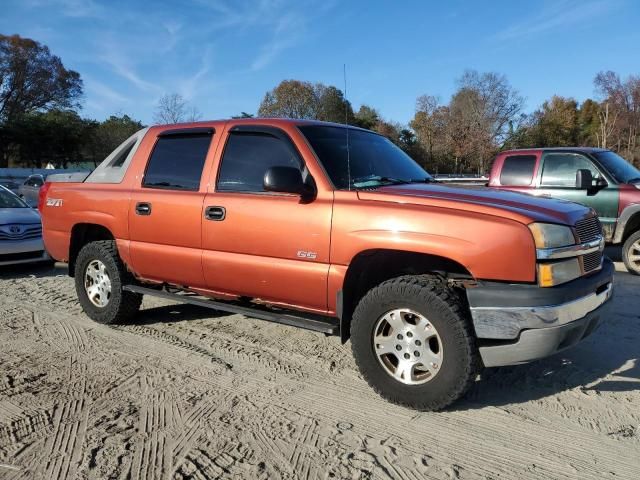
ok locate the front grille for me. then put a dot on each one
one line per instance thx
(588, 229)
(592, 261)
(26, 232)
(14, 257)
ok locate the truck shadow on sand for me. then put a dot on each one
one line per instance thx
(607, 361)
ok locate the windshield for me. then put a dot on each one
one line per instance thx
(373, 160)
(9, 200)
(618, 167)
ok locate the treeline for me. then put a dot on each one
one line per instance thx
(39, 100)
(40, 124)
(484, 115)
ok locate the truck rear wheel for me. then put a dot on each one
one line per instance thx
(413, 342)
(99, 278)
(631, 253)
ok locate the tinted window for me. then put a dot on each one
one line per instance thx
(247, 157)
(618, 167)
(177, 161)
(371, 158)
(559, 169)
(517, 170)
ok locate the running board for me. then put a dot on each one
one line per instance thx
(317, 323)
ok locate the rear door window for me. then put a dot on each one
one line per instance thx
(559, 169)
(177, 161)
(517, 170)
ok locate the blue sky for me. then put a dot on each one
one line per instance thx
(223, 55)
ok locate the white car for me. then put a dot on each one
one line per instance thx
(20, 231)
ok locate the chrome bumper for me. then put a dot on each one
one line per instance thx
(517, 323)
(508, 322)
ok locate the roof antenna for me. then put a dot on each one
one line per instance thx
(346, 123)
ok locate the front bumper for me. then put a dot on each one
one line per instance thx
(517, 323)
(22, 251)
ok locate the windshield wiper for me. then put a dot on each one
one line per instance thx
(376, 180)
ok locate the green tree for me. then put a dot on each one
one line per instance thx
(555, 124)
(290, 99)
(55, 136)
(305, 100)
(107, 135)
(32, 80)
(366, 117)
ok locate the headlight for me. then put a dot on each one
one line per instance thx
(549, 235)
(555, 273)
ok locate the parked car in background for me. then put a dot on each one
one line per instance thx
(29, 190)
(595, 177)
(20, 231)
(11, 185)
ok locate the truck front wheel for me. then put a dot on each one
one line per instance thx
(99, 278)
(413, 342)
(631, 253)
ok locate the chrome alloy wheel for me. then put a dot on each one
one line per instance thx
(633, 255)
(97, 283)
(407, 346)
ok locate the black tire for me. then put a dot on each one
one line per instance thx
(121, 305)
(444, 308)
(628, 249)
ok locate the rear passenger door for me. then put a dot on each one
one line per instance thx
(558, 179)
(165, 213)
(260, 244)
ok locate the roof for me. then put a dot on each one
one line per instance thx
(557, 149)
(260, 121)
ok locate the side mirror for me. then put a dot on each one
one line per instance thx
(584, 179)
(285, 180)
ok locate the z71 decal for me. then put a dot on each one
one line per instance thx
(54, 202)
(307, 255)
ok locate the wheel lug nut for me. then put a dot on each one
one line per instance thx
(416, 353)
(409, 334)
(406, 355)
(399, 337)
(398, 347)
(418, 343)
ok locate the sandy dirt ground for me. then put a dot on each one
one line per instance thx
(186, 393)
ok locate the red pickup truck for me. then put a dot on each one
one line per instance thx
(595, 177)
(333, 229)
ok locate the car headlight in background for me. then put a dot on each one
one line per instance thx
(549, 235)
(556, 273)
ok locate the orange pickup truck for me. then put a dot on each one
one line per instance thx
(333, 229)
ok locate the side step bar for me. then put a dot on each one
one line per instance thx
(317, 323)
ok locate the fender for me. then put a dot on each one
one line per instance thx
(626, 215)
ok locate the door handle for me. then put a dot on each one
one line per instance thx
(215, 213)
(143, 208)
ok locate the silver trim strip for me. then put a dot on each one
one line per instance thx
(508, 322)
(571, 250)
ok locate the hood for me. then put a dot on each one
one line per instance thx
(23, 216)
(520, 207)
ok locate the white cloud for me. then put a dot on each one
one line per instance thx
(287, 32)
(560, 14)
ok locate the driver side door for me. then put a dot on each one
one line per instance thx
(267, 245)
(558, 179)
